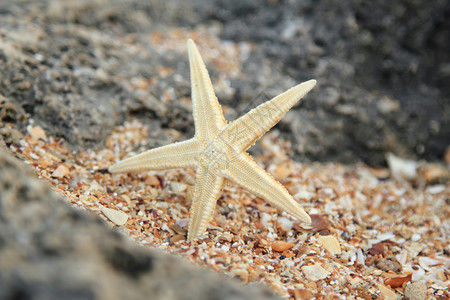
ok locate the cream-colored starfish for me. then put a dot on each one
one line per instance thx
(218, 149)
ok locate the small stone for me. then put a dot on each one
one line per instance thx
(389, 264)
(330, 243)
(241, 273)
(226, 237)
(37, 133)
(380, 173)
(318, 223)
(117, 217)
(355, 281)
(377, 249)
(314, 272)
(152, 180)
(386, 292)
(416, 291)
(178, 229)
(126, 198)
(401, 168)
(61, 171)
(387, 105)
(84, 199)
(177, 238)
(415, 237)
(436, 189)
(182, 222)
(178, 187)
(395, 282)
(434, 173)
(282, 172)
(285, 223)
(43, 163)
(302, 294)
(281, 246)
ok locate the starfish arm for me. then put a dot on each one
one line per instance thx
(208, 115)
(208, 185)
(246, 130)
(176, 155)
(245, 172)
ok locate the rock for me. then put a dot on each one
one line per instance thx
(315, 272)
(178, 187)
(434, 173)
(302, 294)
(117, 217)
(37, 133)
(318, 223)
(398, 281)
(282, 172)
(152, 180)
(61, 171)
(285, 223)
(401, 168)
(50, 250)
(281, 246)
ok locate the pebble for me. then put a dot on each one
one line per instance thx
(152, 180)
(37, 133)
(182, 222)
(398, 281)
(318, 223)
(85, 199)
(177, 187)
(282, 172)
(302, 294)
(177, 238)
(415, 237)
(436, 189)
(314, 272)
(416, 291)
(286, 224)
(178, 229)
(401, 168)
(241, 273)
(117, 217)
(434, 173)
(281, 246)
(61, 171)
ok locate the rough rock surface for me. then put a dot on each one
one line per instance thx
(49, 250)
(382, 68)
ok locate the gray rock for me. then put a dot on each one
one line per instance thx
(49, 250)
(382, 69)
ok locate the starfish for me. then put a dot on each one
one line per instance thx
(218, 149)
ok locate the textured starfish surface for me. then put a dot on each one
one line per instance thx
(218, 149)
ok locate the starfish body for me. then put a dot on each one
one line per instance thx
(218, 149)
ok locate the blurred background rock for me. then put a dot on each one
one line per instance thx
(78, 69)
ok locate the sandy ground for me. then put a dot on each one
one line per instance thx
(372, 235)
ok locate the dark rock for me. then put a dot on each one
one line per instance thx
(382, 69)
(49, 250)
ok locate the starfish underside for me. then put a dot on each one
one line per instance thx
(218, 149)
